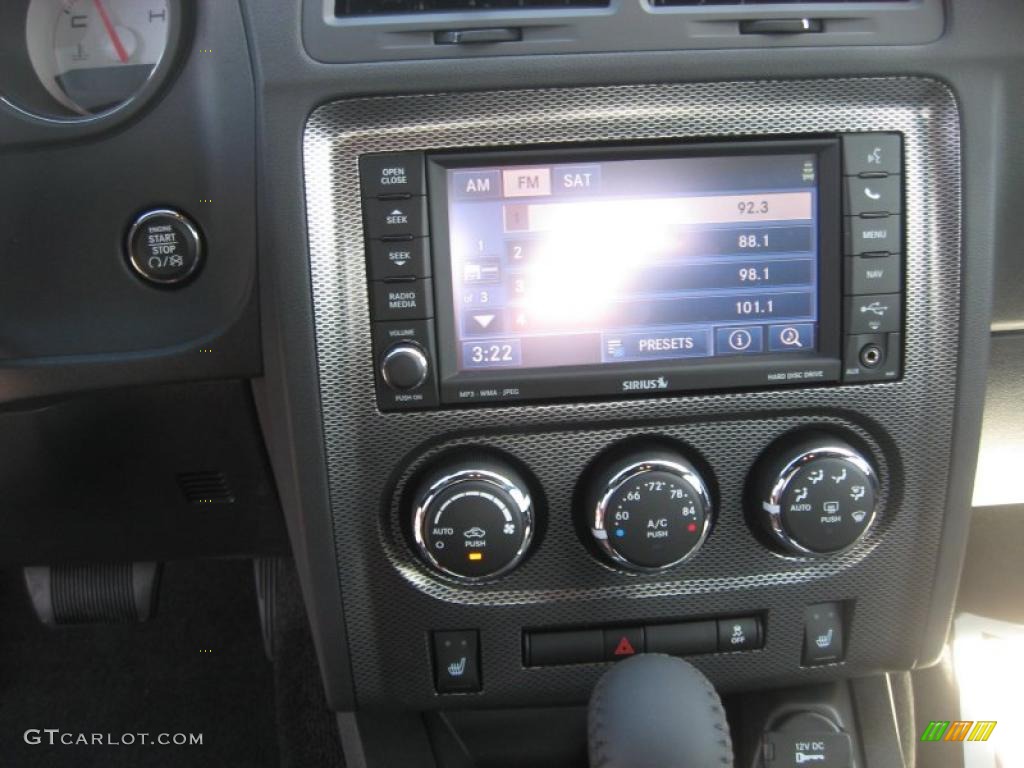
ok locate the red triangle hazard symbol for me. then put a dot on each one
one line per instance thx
(624, 648)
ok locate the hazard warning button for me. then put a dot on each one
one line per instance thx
(621, 643)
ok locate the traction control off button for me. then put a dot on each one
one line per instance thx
(739, 634)
(164, 247)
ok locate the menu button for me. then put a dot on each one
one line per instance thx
(873, 235)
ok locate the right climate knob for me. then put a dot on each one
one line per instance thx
(814, 494)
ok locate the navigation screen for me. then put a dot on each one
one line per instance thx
(628, 261)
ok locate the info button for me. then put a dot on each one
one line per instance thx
(739, 341)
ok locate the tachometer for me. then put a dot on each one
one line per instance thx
(94, 55)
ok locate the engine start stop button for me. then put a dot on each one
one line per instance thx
(164, 247)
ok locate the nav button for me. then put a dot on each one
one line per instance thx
(739, 341)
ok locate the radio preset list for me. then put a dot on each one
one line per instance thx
(401, 291)
(873, 255)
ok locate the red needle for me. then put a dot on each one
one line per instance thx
(122, 54)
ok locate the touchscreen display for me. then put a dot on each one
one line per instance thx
(639, 260)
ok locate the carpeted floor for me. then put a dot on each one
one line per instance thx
(197, 668)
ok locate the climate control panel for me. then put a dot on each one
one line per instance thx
(645, 505)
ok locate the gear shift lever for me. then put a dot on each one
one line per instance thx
(654, 711)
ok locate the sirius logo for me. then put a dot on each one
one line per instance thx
(632, 385)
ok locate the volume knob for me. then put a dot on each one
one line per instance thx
(405, 367)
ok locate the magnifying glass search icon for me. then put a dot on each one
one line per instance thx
(790, 337)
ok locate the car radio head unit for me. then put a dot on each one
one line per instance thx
(604, 271)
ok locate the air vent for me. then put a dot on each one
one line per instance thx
(711, 3)
(206, 488)
(389, 7)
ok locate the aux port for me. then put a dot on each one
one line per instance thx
(871, 356)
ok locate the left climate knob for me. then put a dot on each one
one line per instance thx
(473, 520)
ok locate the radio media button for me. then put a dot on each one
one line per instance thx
(882, 195)
(873, 314)
(393, 173)
(739, 341)
(872, 153)
(403, 300)
(791, 337)
(882, 235)
(390, 259)
(396, 218)
(872, 274)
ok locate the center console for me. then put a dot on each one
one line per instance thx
(631, 369)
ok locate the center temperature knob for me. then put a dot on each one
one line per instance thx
(649, 510)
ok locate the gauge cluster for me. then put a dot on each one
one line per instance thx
(82, 61)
